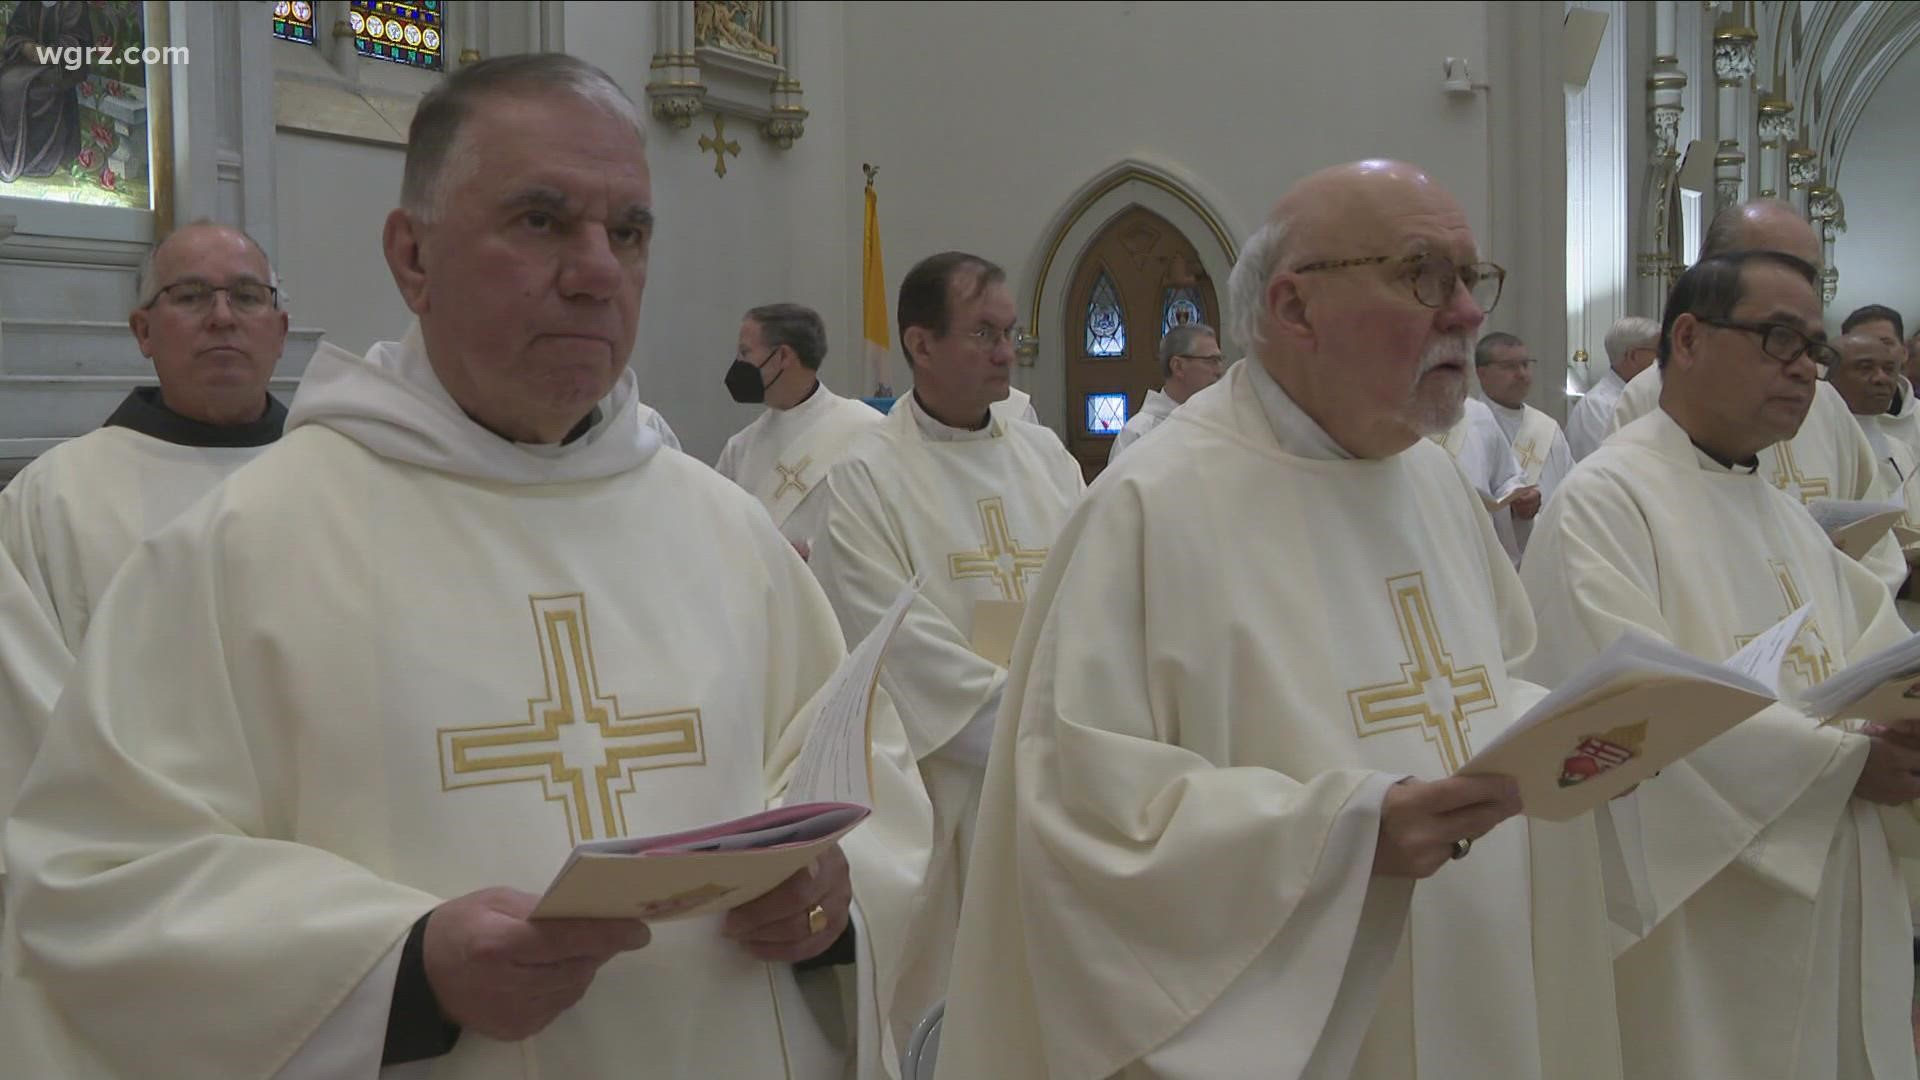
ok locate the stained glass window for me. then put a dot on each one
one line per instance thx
(404, 33)
(1182, 306)
(1106, 327)
(1106, 413)
(293, 21)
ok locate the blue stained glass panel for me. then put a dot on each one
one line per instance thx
(1182, 306)
(293, 21)
(1106, 326)
(1106, 413)
(403, 33)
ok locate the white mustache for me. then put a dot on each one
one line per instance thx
(1446, 351)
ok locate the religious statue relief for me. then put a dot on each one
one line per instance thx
(734, 25)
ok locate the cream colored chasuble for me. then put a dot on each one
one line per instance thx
(1173, 874)
(399, 661)
(782, 457)
(973, 515)
(1764, 922)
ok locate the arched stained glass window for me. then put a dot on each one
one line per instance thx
(1182, 306)
(402, 33)
(1106, 326)
(293, 21)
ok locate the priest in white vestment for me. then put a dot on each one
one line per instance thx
(1504, 366)
(782, 457)
(1829, 457)
(1765, 922)
(337, 726)
(968, 501)
(210, 321)
(1190, 361)
(1220, 838)
(1631, 343)
(1477, 442)
(1884, 326)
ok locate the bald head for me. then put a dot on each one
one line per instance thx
(1350, 296)
(1762, 225)
(196, 234)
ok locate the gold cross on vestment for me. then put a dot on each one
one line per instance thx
(790, 478)
(1813, 664)
(575, 743)
(719, 145)
(1430, 695)
(1786, 476)
(1527, 455)
(1001, 557)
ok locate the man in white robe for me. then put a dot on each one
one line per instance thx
(1481, 447)
(336, 727)
(1220, 838)
(1829, 457)
(782, 457)
(968, 501)
(1504, 367)
(1766, 921)
(1884, 326)
(1190, 361)
(210, 321)
(1631, 344)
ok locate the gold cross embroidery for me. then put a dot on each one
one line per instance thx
(1528, 457)
(1430, 695)
(1813, 665)
(575, 742)
(1001, 557)
(790, 478)
(1786, 476)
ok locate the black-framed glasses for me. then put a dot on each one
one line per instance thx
(1433, 277)
(245, 298)
(1782, 342)
(1214, 361)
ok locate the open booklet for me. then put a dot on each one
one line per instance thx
(720, 866)
(1854, 527)
(1643, 704)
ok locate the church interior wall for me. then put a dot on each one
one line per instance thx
(1878, 255)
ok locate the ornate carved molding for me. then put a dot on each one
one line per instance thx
(730, 58)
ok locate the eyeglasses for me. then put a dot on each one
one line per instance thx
(245, 298)
(1216, 360)
(1783, 342)
(1511, 365)
(1434, 277)
(987, 338)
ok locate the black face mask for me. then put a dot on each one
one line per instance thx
(743, 380)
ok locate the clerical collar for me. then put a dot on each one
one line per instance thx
(146, 412)
(1298, 433)
(1751, 465)
(941, 432)
(811, 394)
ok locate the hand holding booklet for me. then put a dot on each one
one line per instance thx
(1643, 704)
(718, 867)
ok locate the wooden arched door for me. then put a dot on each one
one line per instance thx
(1139, 278)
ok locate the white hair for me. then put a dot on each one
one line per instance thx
(1247, 284)
(147, 286)
(1628, 334)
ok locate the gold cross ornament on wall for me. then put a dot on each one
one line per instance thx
(719, 145)
(575, 743)
(1431, 695)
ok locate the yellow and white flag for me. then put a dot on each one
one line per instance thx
(876, 339)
